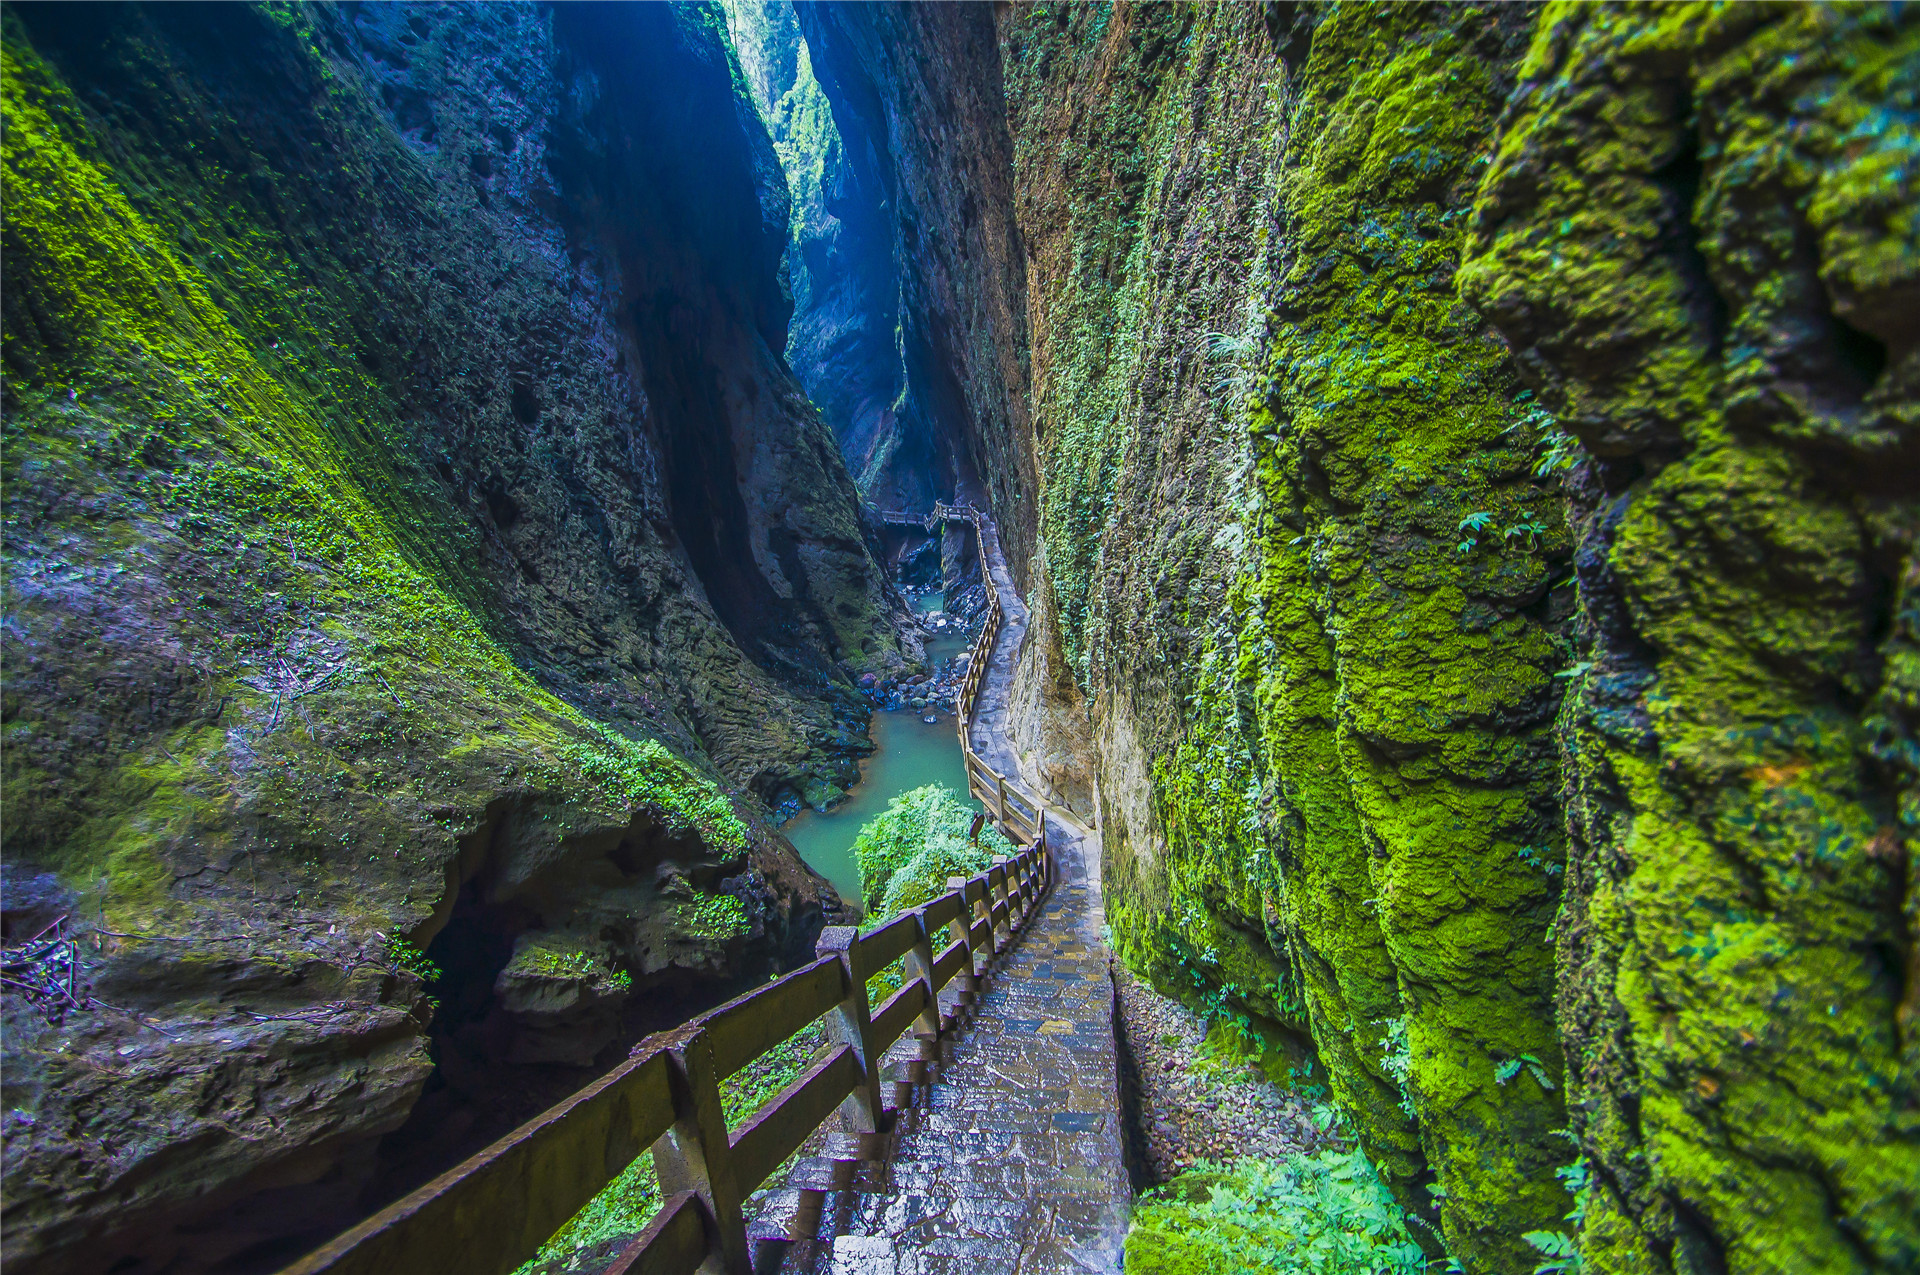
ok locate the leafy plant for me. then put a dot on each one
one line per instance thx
(1235, 351)
(1558, 1248)
(1509, 1069)
(1474, 522)
(1560, 450)
(1326, 1213)
(1536, 857)
(404, 956)
(1396, 1059)
(718, 917)
(907, 851)
(1530, 529)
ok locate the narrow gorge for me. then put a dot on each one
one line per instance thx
(1432, 490)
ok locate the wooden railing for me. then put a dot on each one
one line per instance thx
(490, 1214)
(1021, 817)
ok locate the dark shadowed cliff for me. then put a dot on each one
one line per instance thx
(414, 541)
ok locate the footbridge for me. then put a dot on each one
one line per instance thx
(970, 1122)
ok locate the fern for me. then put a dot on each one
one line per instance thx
(1558, 1248)
(1511, 1067)
(1326, 1213)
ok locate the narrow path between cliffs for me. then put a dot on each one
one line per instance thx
(1006, 1152)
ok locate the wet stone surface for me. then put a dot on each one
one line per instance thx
(1015, 1164)
(1005, 1151)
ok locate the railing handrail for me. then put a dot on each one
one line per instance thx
(985, 783)
(493, 1211)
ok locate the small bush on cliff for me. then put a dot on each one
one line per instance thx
(1326, 1213)
(910, 849)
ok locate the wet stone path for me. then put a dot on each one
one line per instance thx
(1005, 1152)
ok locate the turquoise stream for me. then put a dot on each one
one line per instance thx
(907, 753)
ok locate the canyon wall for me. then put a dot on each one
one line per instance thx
(414, 541)
(1468, 517)
(1321, 720)
(1696, 233)
(917, 102)
(844, 341)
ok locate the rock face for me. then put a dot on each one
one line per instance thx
(1321, 723)
(926, 170)
(1468, 511)
(1696, 233)
(843, 342)
(415, 541)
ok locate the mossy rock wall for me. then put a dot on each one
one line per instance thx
(1476, 450)
(1698, 233)
(1326, 768)
(410, 523)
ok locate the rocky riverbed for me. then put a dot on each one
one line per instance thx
(929, 692)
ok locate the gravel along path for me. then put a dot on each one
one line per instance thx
(1191, 1101)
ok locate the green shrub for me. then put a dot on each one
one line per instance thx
(907, 852)
(1325, 1213)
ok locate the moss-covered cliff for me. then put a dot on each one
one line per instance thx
(1398, 370)
(1321, 707)
(412, 533)
(1698, 233)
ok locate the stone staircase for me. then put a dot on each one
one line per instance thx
(1004, 1152)
(1004, 1148)
(980, 1100)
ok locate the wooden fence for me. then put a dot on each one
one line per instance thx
(490, 1214)
(1019, 816)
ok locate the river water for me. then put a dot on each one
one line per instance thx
(907, 753)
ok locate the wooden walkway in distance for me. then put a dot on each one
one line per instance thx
(1006, 1156)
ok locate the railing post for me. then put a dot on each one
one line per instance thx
(980, 922)
(961, 930)
(920, 965)
(993, 927)
(1000, 796)
(851, 1023)
(693, 1155)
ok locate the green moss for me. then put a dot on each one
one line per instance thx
(643, 773)
(1732, 1041)
(174, 362)
(1405, 697)
(1358, 747)
(553, 959)
(716, 918)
